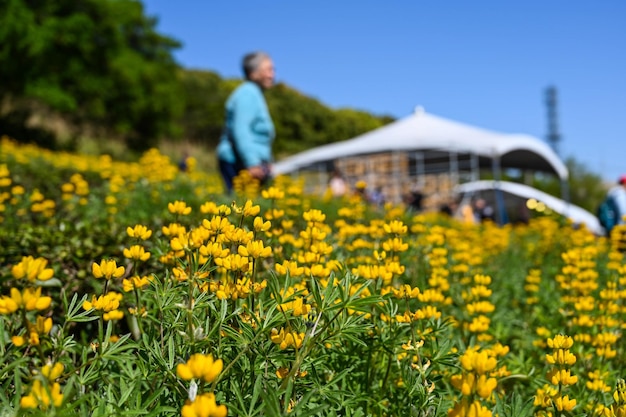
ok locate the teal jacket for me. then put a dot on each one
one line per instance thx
(248, 132)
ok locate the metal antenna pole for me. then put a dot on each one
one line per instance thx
(553, 137)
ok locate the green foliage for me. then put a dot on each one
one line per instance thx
(301, 122)
(586, 189)
(98, 62)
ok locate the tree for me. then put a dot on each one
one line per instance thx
(99, 62)
(586, 189)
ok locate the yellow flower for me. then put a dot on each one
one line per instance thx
(106, 303)
(561, 377)
(139, 231)
(255, 249)
(314, 216)
(203, 405)
(211, 208)
(179, 207)
(42, 396)
(564, 403)
(234, 262)
(8, 305)
(395, 245)
(107, 269)
(561, 342)
(215, 250)
(32, 269)
(478, 362)
(135, 282)
(273, 193)
(561, 357)
(395, 227)
(200, 366)
(137, 253)
(260, 226)
(290, 267)
(113, 315)
(250, 210)
(30, 299)
(52, 372)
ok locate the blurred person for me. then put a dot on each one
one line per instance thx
(246, 141)
(616, 201)
(415, 200)
(377, 197)
(337, 184)
(483, 211)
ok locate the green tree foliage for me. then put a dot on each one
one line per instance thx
(586, 189)
(301, 122)
(99, 62)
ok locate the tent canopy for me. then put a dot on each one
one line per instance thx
(516, 195)
(425, 132)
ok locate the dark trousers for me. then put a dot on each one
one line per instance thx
(228, 171)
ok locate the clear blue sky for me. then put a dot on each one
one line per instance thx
(486, 63)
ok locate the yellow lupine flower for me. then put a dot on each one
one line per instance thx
(261, 226)
(8, 305)
(107, 269)
(395, 227)
(107, 302)
(139, 231)
(52, 372)
(395, 245)
(211, 207)
(234, 262)
(314, 216)
(255, 249)
(564, 403)
(135, 282)
(174, 229)
(215, 250)
(289, 266)
(478, 362)
(561, 357)
(179, 207)
(286, 339)
(33, 269)
(561, 342)
(42, 396)
(273, 193)
(30, 299)
(43, 325)
(113, 315)
(137, 253)
(203, 405)
(300, 308)
(561, 377)
(250, 210)
(467, 409)
(200, 366)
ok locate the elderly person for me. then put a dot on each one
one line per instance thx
(246, 142)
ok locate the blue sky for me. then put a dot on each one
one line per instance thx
(485, 63)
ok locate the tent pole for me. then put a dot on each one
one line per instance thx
(474, 167)
(396, 196)
(500, 210)
(454, 169)
(565, 190)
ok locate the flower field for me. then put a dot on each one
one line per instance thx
(132, 289)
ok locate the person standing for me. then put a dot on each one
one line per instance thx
(246, 141)
(617, 195)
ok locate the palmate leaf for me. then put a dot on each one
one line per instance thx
(515, 406)
(75, 312)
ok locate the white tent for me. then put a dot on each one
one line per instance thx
(522, 192)
(435, 136)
